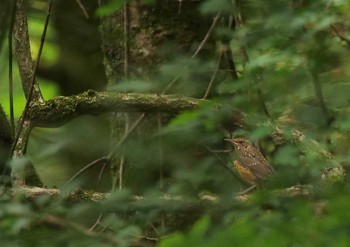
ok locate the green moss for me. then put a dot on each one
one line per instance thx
(334, 175)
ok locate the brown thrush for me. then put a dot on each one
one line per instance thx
(251, 164)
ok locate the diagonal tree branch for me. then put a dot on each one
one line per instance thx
(23, 52)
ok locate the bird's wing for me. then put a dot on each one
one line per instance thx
(258, 165)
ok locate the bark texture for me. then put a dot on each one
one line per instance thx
(153, 30)
(23, 52)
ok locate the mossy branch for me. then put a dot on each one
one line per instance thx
(60, 110)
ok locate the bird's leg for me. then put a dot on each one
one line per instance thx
(219, 151)
(247, 190)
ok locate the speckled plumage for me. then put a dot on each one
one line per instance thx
(251, 164)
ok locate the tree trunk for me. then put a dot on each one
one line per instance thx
(153, 30)
(136, 41)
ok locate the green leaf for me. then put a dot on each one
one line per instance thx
(185, 118)
(177, 239)
(200, 228)
(194, 238)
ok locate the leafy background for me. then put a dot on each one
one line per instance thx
(290, 46)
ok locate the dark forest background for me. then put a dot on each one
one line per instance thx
(125, 146)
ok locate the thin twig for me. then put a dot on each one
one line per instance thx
(83, 9)
(347, 41)
(236, 22)
(228, 52)
(101, 172)
(10, 42)
(207, 36)
(104, 229)
(88, 166)
(230, 62)
(171, 84)
(120, 174)
(126, 41)
(319, 95)
(55, 220)
(126, 16)
(200, 47)
(212, 79)
(126, 135)
(160, 152)
(106, 159)
(97, 222)
(263, 103)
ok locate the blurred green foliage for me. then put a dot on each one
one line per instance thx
(283, 50)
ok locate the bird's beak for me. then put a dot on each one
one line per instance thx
(231, 141)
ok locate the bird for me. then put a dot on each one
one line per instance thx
(251, 164)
